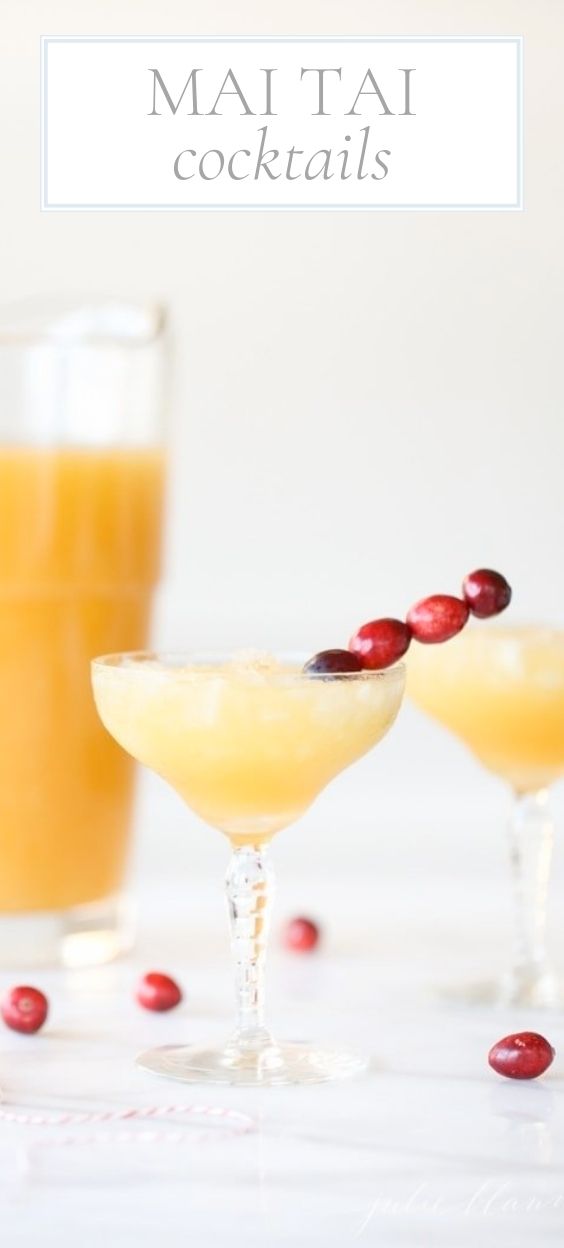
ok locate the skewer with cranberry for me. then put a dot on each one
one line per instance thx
(380, 643)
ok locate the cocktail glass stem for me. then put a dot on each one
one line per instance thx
(531, 836)
(251, 1056)
(249, 888)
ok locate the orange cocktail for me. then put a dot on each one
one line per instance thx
(80, 537)
(249, 741)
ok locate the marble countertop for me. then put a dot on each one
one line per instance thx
(428, 1148)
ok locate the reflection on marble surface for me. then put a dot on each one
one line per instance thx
(429, 1148)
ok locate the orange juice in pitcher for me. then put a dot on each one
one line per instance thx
(81, 505)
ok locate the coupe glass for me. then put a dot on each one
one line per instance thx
(501, 690)
(248, 743)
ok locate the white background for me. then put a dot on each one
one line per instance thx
(365, 407)
(103, 147)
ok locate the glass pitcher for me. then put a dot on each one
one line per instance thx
(81, 507)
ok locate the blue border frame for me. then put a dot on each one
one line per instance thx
(45, 206)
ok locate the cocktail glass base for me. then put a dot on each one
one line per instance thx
(78, 936)
(272, 1065)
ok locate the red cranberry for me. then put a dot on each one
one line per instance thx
(486, 592)
(25, 1009)
(301, 935)
(437, 618)
(158, 992)
(522, 1056)
(380, 643)
(332, 663)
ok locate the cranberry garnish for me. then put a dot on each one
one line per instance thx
(522, 1056)
(301, 935)
(25, 1009)
(437, 618)
(380, 643)
(158, 992)
(332, 663)
(486, 592)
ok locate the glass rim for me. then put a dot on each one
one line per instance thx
(214, 663)
(499, 629)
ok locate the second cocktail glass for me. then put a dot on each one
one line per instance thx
(248, 743)
(501, 690)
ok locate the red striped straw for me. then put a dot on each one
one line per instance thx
(234, 1119)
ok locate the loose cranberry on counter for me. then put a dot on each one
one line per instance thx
(158, 992)
(25, 1009)
(525, 1055)
(380, 643)
(301, 935)
(437, 618)
(487, 593)
(332, 663)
